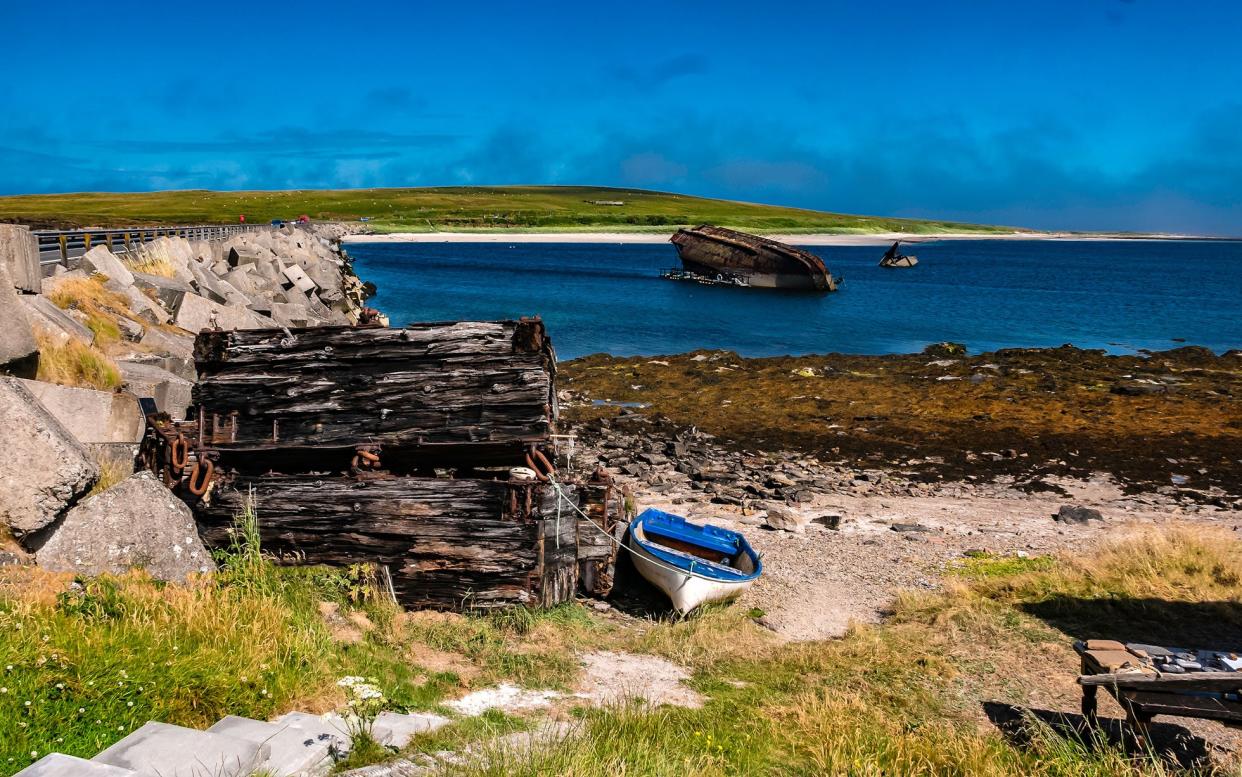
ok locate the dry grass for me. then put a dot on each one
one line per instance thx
(152, 259)
(111, 472)
(76, 364)
(102, 307)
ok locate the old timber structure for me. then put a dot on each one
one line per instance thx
(425, 450)
(722, 255)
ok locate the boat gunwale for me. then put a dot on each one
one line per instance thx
(718, 573)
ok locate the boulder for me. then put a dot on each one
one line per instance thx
(194, 314)
(1077, 514)
(783, 518)
(19, 253)
(52, 322)
(19, 353)
(43, 468)
(172, 393)
(100, 260)
(136, 523)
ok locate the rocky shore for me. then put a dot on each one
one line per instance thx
(81, 345)
(858, 477)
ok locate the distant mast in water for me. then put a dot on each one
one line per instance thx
(717, 255)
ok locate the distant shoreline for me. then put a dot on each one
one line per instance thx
(809, 239)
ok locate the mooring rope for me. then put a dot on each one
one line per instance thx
(652, 559)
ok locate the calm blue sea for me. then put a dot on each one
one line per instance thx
(1122, 296)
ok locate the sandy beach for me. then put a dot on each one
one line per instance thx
(877, 238)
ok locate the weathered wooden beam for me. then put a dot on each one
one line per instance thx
(455, 383)
(448, 544)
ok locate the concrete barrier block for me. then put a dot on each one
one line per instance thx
(91, 416)
(52, 322)
(43, 467)
(19, 253)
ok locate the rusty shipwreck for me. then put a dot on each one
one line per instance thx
(717, 255)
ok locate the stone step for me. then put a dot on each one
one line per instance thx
(58, 765)
(330, 728)
(294, 751)
(397, 729)
(164, 750)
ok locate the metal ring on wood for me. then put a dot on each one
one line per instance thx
(200, 477)
(551, 470)
(530, 462)
(180, 453)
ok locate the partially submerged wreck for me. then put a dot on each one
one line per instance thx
(893, 257)
(716, 254)
(427, 450)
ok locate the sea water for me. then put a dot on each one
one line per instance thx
(1122, 296)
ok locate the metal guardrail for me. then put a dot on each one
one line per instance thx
(60, 246)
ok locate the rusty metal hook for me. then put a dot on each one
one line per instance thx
(200, 477)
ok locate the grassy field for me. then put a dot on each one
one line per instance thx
(973, 679)
(451, 208)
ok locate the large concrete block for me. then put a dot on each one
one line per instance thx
(177, 252)
(52, 322)
(194, 314)
(300, 280)
(168, 291)
(58, 765)
(43, 467)
(248, 254)
(91, 416)
(163, 750)
(207, 284)
(144, 307)
(136, 523)
(19, 353)
(19, 253)
(100, 260)
(165, 343)
(172, 394)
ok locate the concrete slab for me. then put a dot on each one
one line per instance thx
(330, 728)
(100, 260)
(172, 394)
(58, 765)
(164, 750)
(298, 277)
(52, 322)
(91, 416)
(168, 291)
(19, 253)
(195, 314)
(295, 752)
(399, 729)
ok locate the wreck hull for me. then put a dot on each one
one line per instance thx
(757, 261)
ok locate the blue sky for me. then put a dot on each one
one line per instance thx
(1079, 114)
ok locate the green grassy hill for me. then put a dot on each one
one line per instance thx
(557, 208)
